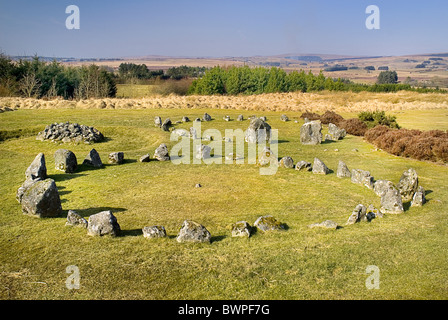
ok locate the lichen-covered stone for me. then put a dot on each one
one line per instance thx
(41, 199)
(241, 229)
(154, 232)
(192, 231)
(65, 160)
(103, 223)
(268, 223)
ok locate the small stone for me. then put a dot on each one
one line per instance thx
(304, 165)
(40, 198)
(286, 162)
(116, 157)
(408, 184)
(362, 177)
(419, 198)
(154, 232)
(311, 133)
(93, 159)
(241, 229)
(74, 219)
(240, 118)
(198, 185)
(319, 167)
(162, 153)
(103, 223)
(65, 161)
(343, 171)
(37, 169)
(327, 224)
(284, 117)
(357, 215)
(268, 223)
(207, 117)
(145, 158)
(192, 231)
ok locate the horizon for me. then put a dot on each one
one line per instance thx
(201, 29)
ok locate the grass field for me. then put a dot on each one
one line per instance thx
(298, 263)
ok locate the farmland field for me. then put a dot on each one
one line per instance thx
(297, 263)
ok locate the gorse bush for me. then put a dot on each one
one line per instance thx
(375, 118)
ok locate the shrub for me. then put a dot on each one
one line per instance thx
(331, 117)
(354, 126)
(310, 115)
(375, 118)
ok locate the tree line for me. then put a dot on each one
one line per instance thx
(39, 79)
(127, 71)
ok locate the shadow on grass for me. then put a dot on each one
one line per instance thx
(279, 141)
(65, 177)
(131, 233)
(217, 238)
(85, 213)
(85, 167)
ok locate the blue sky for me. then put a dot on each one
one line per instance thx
(222, 28)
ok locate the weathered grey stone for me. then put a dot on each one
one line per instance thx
(193, 133)
(336, 132)
(103, 223)
(311, 133)
(304, 165)
(362, 177)
(145, 158)
(319, 167)
(202, 151)
(258, 131)
(234, 156)
(268, 223)
(391, 201)
(343, 171)
(116, 157)
(240, 118)
(267, 157)
(192, 231)
(226, 118)
(286, 162)
(419, 198)
(181, 132)
(381, 186)
(158, 121)
(166, 124)
(93, 159)
(327, 224)
(358, 214)
(41, 199)
(70, 132)
(408, 184)
(328, 137)
(65, 161)
(373, 212)
(185, 119)
(241, 229)
(162, 153)
(206, 117)
(74, 219)
(284, 117)
(154, 232)
(37, 169)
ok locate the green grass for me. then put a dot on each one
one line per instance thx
(298, 263)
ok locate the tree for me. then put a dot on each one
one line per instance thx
(29, 85)
(386, 77)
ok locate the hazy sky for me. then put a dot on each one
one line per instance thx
(222, 28)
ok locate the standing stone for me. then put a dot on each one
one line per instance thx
(336, 132)
(419, 198)
(93, 159)
(185, 119)
(258, 131)
(103, 223)
(362, 177)
(284, 117)
(240, 118)
(158, 121)
(154, 232)
(203, 151)
(266, 157)
(328, 137)
(391, 200)
(206, 117)
(41, 199)
(65, 161)
(226, 118)
(193, 133)
(268, 223)
(319, 167)
(311, 133)
(373, 212)
(381, 186)
(358, 214)
(343, 171)
(74, 219)
(166, 124)
(116, 157)
(408, 184)
(192, 231)
(304, 165)
(241, 229)
(162, 153)
(286, 162)
(37, 169)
